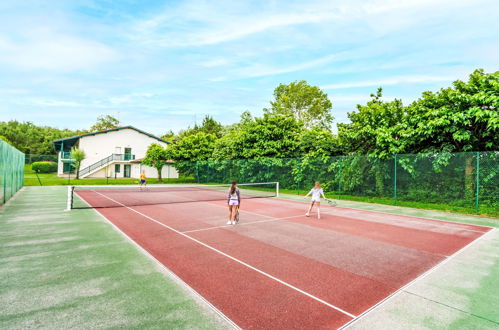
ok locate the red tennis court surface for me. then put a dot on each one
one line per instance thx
(279, 269)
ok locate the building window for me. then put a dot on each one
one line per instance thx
(117, 168)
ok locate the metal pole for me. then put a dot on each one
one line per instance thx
(299, 174)
(339, 177)
(197, 173)
(395, 180)
(477, 199)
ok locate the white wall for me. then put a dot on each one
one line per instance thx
(168, 171)
(99, 146)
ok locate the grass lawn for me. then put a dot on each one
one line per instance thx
(51, 179)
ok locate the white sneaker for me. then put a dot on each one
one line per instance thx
(229, 222)
(307, 215)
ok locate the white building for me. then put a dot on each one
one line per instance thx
(114, 153)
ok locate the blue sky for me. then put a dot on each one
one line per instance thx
(161, 65)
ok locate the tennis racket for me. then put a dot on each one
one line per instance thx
(237, 215)
(331, 202)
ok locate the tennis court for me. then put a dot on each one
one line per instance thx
(277, 268)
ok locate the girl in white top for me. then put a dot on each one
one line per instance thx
(234, 201)
(316, 192)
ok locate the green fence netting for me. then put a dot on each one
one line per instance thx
(30, 159)
(467, 181)
(11, 171)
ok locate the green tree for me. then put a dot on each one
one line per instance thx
(209, 126)
(5, 139)
(104, 123)
(464, 117)
(270, 136)
(33, 139)
(156, 157)
(198, 146)
(78, 156)
(308, 104)
(318, 142)
(373, 128)
(170, 136)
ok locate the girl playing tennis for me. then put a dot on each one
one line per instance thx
(143, 180)
(316, 192)
(234, 201)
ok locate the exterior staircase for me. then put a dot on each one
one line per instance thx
(103, 163)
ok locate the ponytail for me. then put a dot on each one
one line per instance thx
(233, 187)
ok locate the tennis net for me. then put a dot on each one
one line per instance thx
(84, 197)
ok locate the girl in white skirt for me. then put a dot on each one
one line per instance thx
(316, 193)
(234, 201)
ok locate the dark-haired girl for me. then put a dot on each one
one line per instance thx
(234, 201)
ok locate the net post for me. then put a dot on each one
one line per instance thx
(277, 189)
(69, 202)
(477, 199)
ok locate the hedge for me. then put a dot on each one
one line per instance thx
(44, 167)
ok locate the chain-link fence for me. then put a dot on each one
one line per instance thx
(465, 182)
(30, 159)
(11, 171)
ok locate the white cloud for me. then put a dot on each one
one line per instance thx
(259, 70)
(391, 81)
(214, 24)
(56, 103)
(46, 50)
(215, 62)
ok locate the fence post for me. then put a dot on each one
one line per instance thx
(197, 173)
(299, 174)
(477, 199)
(339, 177)
(395, 180)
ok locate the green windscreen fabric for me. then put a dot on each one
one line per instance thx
(11, 171)
(467, 180)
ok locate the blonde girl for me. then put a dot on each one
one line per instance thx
(316, 193)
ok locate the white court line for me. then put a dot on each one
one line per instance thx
(420, 277)
(242, 224)
(166, 270)
(440, 226)
(235, 259)
(401, 215)
(409, 218)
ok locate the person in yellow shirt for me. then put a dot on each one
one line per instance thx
(143, 180)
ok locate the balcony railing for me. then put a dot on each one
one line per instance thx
(105, 161)
(65, 155)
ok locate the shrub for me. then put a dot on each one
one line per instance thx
(44, 167)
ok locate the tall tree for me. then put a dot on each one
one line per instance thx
(156, 157)
(198, 146)
(464, 117)
(170, 136)
(319, 143)
(33, 139)
(270, 136)
(104, 123)
(373, 128)
(308, 104)
(209, 126)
